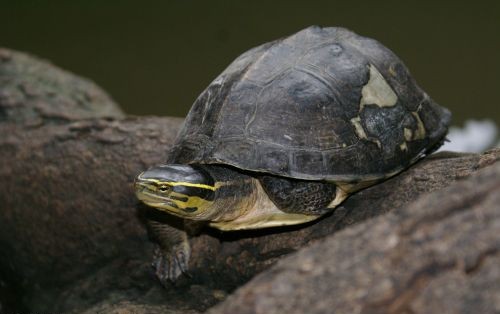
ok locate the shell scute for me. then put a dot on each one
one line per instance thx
(322, 104)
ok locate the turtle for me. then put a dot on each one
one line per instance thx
(285, 134)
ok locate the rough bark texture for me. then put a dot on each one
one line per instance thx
(34, 92)
(438, 255)
(72, 236)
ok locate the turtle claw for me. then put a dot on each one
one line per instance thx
(170, 265)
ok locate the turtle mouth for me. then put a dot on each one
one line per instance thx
(175, 203)
(166, 204)
(145, 195)
(154, 200)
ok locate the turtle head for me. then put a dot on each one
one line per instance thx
(186, 191)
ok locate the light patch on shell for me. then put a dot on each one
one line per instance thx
(360, 132)
(420, 132)
(408, 134)
(411, 135)
(403, 147)
(392, 71)
(340, 196)
(358, 128)
(344, 189)
(377, 91)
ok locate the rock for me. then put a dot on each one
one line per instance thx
(127, 307)
(72, 236)
(33, 91)
(67, 201)
(439, 254)
(239, 256)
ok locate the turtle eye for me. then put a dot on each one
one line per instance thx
(163, 188)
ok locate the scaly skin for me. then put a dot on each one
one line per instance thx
(171, 257)
(225, 199)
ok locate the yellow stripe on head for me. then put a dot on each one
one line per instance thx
(177, 183)
(182, 190)
(196, 185)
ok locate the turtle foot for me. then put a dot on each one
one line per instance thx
(171, 264)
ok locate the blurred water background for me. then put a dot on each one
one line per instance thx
(155, 57)
(474, 136)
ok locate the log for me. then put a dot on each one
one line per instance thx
(33, 92)
(440, 254)
(72, 234)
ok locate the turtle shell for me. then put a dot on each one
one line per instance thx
(322, 104)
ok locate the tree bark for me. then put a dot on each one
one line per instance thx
(439, 254)
(72, 236)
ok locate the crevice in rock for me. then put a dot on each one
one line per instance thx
(480, 260)
(400, 303)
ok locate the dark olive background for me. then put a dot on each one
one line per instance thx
(155, 57)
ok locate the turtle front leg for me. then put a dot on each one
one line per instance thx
(302, 196)
(171, 257)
